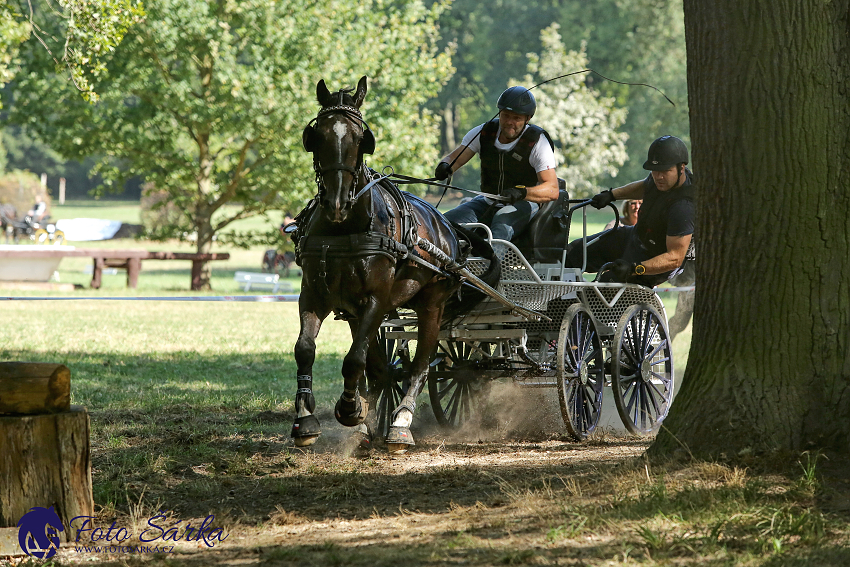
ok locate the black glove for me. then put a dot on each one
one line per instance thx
(620, 271)
(443, 171)
(602, 200)
(514, 194)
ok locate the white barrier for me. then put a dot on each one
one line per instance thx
(248, 298)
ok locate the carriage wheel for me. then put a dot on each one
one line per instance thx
(58, 237)
(581, 372)
(457, 393)
(41, 236)
(642, 369)
(394, 389)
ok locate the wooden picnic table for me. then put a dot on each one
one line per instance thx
(127, 259)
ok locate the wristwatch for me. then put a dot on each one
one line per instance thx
(640, 269)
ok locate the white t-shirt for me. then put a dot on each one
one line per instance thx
(541, 158)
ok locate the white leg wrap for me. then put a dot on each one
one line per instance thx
(403, 419)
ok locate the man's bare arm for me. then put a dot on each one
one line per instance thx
(677, 247)
(546, 189)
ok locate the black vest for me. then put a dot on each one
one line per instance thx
(651, 226)
(500, 169)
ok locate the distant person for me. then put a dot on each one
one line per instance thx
(517, 162)
(275, 260)
(630, 210)
(39, 210)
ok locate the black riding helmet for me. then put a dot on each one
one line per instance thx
(519, 100)
(665, 152)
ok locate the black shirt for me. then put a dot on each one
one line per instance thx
(666, 213)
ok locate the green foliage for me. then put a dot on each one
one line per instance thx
(19, 188)
(83, 31)
(207, 101)
(639, 41)
(13, 31)
(94, 29)
(582, 123)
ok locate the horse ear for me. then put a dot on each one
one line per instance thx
(361, 92)
(322, 93)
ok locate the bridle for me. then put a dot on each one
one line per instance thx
(366, 146)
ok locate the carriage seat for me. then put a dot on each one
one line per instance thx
(544, 238)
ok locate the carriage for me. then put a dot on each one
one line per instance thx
(368, 251)
(41, 232)
(590, 337)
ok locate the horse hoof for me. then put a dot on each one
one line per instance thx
(354, 418)
(305, 430)
(305, 441)
(399, 440)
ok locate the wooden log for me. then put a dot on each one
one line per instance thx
(45, 460)
(34, 387)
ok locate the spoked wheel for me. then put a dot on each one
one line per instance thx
(41, 236)
(58, 237)
(397, 354)
(456, 389)
(642, 369)
(581, 372)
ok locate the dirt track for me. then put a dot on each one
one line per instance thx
(296, 504)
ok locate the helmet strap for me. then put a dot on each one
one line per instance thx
(680, 169)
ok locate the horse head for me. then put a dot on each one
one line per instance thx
(338, 138)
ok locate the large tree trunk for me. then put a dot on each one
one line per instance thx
(769, 366)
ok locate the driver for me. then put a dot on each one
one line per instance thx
(517, 162)
(39, 210)
(650, 251)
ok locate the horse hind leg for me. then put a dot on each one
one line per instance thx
(399, 438)
(378, 377)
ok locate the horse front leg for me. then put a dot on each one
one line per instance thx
(306, 429)
(352, 408)
(400, 438)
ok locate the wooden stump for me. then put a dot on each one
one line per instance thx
(45, 459)
(34, 387)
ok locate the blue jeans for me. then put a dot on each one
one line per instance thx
(505, 221)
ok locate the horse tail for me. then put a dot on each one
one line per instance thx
(467, 297)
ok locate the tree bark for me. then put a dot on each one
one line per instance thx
(769, 366)
(202, 271)
(45, 460)
(32, 387)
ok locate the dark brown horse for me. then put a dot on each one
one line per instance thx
(357, 245)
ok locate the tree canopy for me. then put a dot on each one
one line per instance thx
(207, 100)
(582, 123)
(636, 41)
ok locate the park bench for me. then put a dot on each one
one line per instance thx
(249, 280)
(128, 259)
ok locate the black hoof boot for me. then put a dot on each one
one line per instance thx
(306, 430)
(351, 413)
